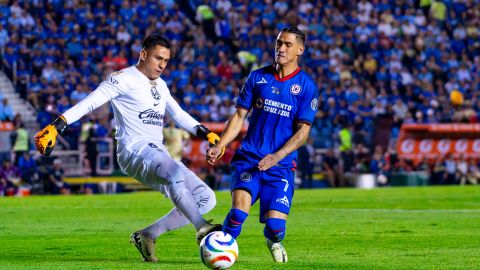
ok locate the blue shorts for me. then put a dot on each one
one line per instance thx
(273, 187)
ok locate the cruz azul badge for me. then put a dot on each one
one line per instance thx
(295, 89)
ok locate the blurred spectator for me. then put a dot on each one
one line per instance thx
(21, 142)
(56, 179)
(6, 111)
(332, 169)
(175, 139)
(3, 36)
(120, 60)
(473, 173)
(28, 168)
(9, 178)
(462, 170)
(92, 151)
(206, 17)
(10, 57)
(306, 162)
(346, 146)
(6, 148)
(437, 177)
(377, 163)
(450, 170)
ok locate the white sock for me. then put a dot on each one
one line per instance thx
(204, 199)
(171, 221)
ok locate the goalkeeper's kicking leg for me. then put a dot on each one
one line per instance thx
(189, 194)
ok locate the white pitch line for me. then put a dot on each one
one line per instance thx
(401, 210)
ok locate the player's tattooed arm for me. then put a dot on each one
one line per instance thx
(297, 140)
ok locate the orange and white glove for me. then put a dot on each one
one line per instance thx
(46, 138)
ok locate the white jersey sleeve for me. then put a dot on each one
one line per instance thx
(106, 91)
(180, 117)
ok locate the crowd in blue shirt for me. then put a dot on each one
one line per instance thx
(393, 59)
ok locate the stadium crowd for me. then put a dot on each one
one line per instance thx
(377, 63)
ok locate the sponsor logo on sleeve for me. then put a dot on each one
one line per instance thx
(116, 73)
(111, 81)
(314, 104)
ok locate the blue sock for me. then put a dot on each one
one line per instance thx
(275, 229)
(233, 222)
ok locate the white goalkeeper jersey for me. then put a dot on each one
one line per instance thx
(139, 105)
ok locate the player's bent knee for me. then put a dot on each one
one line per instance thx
(206, 202)
(275, 229)
(276, 214)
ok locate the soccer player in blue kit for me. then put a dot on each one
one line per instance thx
(283, 100)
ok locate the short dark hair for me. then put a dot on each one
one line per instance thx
(154, 40)
(295, 30)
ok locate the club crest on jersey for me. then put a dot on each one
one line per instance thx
(155, 93)
(246, 177)
(314, 104)
(295, 89)
(259, 103)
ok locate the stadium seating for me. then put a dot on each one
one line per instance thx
(377, 65)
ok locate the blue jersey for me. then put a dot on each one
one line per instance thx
(277, 105)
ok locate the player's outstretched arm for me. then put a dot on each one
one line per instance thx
(297, 140)
(231, 131)
(46, 138)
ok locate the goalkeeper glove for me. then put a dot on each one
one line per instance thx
(204, 133)
(45, 139)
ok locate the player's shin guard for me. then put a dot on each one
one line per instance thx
(233, 222)
(275, 229)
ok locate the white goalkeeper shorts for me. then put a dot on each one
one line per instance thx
(151, 164)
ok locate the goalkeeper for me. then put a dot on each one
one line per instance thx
(140, 99)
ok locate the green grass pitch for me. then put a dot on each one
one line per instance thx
(390, 228)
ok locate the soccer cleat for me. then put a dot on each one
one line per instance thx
(279, 253)
(145, 245)
(206, 229)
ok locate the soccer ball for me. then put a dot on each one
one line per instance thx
(218, 250)
(456, 98)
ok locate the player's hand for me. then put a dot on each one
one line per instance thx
(268, 161)
(214, 153)
(46, 138)
(212, 138)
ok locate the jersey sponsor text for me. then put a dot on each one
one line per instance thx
(277, 107)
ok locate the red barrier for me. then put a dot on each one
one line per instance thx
(198, 147)
(418, 141)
